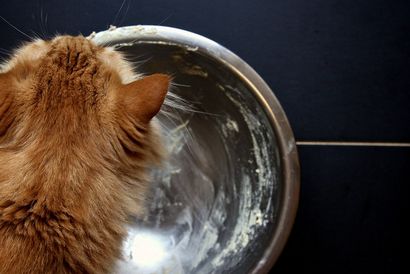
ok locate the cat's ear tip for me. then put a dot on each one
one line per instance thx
(144, 97)
(161, 79)
(162, 76)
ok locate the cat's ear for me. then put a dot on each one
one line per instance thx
(143, 98)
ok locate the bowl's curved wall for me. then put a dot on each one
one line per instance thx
(227, 198)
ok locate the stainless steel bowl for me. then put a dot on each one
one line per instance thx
(226, 199)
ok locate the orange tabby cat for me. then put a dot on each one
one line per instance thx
(75, 139)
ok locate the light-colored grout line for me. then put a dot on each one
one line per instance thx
(355, 144)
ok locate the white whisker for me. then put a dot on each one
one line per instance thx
(164, 20)
(125, 14)
(180, 85)
(118, 13)
(14, 27)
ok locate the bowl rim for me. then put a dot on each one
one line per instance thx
(277, 118)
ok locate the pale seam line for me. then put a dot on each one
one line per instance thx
(342, 143)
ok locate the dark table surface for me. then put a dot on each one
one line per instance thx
(341, 70)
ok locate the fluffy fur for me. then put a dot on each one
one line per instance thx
(76, 137)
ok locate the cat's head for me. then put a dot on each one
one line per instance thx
(68, 96)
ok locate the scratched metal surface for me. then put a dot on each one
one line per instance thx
(214, 205)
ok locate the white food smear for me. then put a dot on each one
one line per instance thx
(250, 215)
(229, 127)
(200, 250)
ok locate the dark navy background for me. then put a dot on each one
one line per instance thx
(341, 70)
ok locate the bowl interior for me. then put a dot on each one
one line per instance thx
(213, 206)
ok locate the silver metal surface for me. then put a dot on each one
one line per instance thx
(226, 199)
